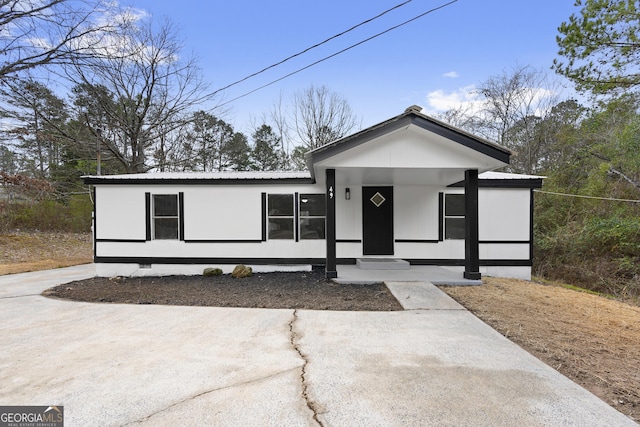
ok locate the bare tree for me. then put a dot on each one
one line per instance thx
(141, 94)
(34, 33)
(321, 116)
(512, 106)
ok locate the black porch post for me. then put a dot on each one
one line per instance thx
(471, 250)
(330, 269)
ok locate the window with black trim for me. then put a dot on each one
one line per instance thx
(454, 223)
(312, 216)
(280, 216)
(165, 217)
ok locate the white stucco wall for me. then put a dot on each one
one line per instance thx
(120, 212)
(504, 213)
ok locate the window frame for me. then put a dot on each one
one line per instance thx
(154, 216)
(280, 217)
(311, 217)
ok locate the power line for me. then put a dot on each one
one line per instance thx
(311, 47)
(588, 197)
(339, 52)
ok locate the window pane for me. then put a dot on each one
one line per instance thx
(280, 205)
(312, 228)
(166, 228)
(165, 205)
(454, 228)
(280, 228)
(454, 205)
(312, 205)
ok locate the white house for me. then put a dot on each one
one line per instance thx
(409, 188)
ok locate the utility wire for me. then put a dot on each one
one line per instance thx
(588, 197)
(339, 52)
(311, 47)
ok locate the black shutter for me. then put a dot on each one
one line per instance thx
(264, 217)
(181, 216)
(147, 209)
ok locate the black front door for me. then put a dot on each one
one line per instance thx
(377, 220)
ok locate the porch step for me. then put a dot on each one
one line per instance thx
(382, 264)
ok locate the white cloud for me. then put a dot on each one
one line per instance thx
(464, 98)
(451, 74)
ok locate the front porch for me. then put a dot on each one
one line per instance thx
(416, 273)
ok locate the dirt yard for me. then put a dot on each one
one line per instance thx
(592, 340)
(21, 252)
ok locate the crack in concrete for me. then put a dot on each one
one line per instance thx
(295, 337)
(204, 393)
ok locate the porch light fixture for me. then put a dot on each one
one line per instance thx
(347, 194)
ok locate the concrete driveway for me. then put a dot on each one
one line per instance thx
(432, 364)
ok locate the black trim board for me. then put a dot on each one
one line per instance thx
(223, 241)
(503, 183)
(295, 261)
(121, 241)
(198, 261)
(95, 222)
(483, 262)
(504, 242)
(105, 180)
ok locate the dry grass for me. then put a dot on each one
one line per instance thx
(593, 340)
(30, 251)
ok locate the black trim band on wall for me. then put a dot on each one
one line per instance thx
(504, 242)
(441, 217)
(460, 262)
(147, 213)
(198, 261)
(264, 216)
(223, 241)
(121, 240)
(416, 241)
(295, 261)
(348, 240)
(181, 216)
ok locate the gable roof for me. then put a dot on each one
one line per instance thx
(411, 116)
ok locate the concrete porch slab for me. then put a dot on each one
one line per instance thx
(417, 273)
(382, 264)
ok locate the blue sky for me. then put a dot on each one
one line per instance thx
(431, 59)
